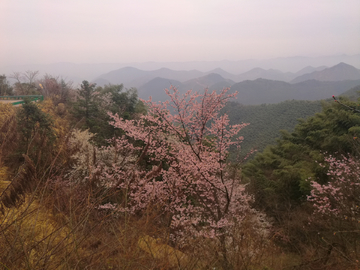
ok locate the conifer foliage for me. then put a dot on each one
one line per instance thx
(278, 175)
(87, 108)
(5, 88)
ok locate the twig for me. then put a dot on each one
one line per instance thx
(351, 108)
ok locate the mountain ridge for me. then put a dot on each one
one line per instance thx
(134, 77)
(268, 91)
(339, 72)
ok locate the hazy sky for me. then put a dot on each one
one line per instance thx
(99, 31)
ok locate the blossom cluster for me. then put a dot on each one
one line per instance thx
(187, 147)
(341, 195)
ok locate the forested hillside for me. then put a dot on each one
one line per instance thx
(353, 93)
(93, 178)
(334, 131)
(267, 119)
(309, 183)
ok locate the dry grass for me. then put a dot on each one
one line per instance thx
(46, 231)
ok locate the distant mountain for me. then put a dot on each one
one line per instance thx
(309, 69)
(122, 76)
(77, 72)
(270, 74)
(199, 84)
(221, 85)
(267, 91)
(339, 72)
(193, 79)
(100, 82)
(353, 93)
(156, 89)
(223, 73)
(133, 77)
(197, 80)
(261, 91)
(180, 75)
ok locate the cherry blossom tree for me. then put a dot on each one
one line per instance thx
(187, 142)
(336, 207)
(340, 197)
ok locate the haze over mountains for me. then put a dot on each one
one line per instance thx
(137, 77)
(339, 72)
(260, 83)
(266, 91)
(77, 72)
(256, 86)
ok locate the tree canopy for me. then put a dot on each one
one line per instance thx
(278, 175)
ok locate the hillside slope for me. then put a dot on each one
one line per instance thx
(266, 120)
(267, 91)
(339, 72)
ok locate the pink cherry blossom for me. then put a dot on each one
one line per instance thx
(189, 180)
(340, 197)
